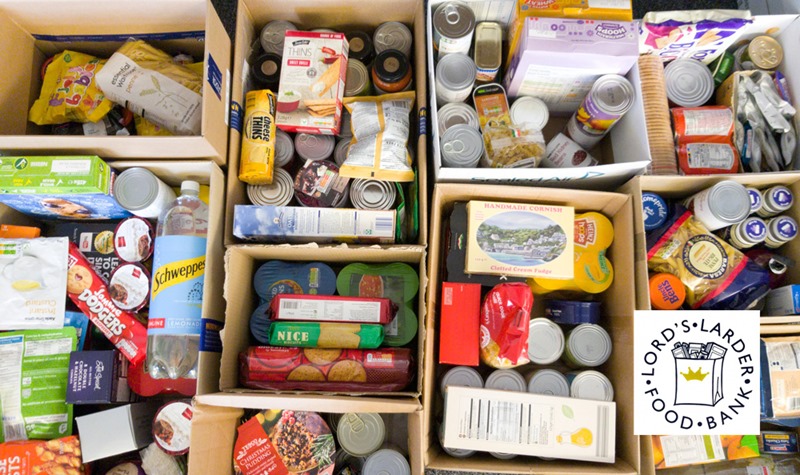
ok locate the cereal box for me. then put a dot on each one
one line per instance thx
(312, 82)
(520, 239)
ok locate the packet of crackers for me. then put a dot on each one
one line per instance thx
(315, 369)
(42, 457)
(90, 293)
(703, 35)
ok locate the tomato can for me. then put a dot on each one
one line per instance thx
(689, 82)
(360, 434)
(456, 113)
(172, 427)
(548, 382)
(722, 205)
(708, 158)
(587, 346)
(279, 193)
(455, 78)
(506, 380)
(392, 35)
(590, 385)
(461, 147)
(461, 376)
(273, 34)
(545, 341)
(610, 98)
(453, 28)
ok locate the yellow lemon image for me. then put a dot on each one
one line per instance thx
(25, 285)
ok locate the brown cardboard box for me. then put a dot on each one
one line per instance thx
(618, 308)
(30, 32)
(344, 15)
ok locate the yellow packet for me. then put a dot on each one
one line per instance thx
(197, 67)
(258, 141)
(146, 128)
(69, 91)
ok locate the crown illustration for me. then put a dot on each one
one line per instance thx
(694, 375)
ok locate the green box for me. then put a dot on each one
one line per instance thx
(54, 175)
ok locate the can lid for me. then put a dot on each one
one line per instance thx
(666, 292)
(357, 78)
(545, 341)
(755, 229)
(372, 194)
(272, 35)
(572, 312)
(386, 462)
(314, 147)
(689, 82)
(781, 197)
(765, 52)
(136, 188)
(129, 287)
(462, 145)
(461, 376)
(133, 239)
(392, 35)
(613, 94)
(548, 382)
(284, 149)
(360, 434)
(756, 200)
(454, 20)
(340, 152)
(729, 201)
(592, 385)
(455, 113)
(589, 344)
(279, 193)
(530, 110)
(172, 427)
(391, 65)
(506, 380)
(783, 227)
(654, 211)
(456, 71)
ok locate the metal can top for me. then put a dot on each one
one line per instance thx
(545, 341)
(357, 79)
(273, 34)
(314, 147)
(133, 239)
(454, 20)
(729, 201)
(783, 228)
(361, 434)
(461, 376)
(372, 194)
(129, 287)
(613, 94)
(284, 149)
(392, 35)
(756, 200)
(462, 145)
(136, 188)
(506, 380)
(689, 82)
(457, 453)
(454, 113)
(765, 52)
(591, 385)
(172, 427)
(548, 382)
(530, 110)
(456, 72)
(386, 462)
(279, 193)
(588, 345)
(654, 211)
(572, 312)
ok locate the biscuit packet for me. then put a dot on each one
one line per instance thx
(41, 457)
(325, 335)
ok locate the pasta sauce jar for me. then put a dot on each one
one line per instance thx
(391, 72)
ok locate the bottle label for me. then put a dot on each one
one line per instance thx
(177, 289)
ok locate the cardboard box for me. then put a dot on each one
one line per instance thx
(98, 377)
(344, 15)
(34, 31)
(116, 431)
(617, 305)
(459, 337)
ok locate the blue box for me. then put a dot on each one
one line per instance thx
(98, 377)
(783, 301)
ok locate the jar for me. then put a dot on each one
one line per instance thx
(391, 72)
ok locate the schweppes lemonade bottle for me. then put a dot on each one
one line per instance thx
(176, 299)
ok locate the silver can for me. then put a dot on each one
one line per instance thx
(545, 341)
(455, 78)
(453, 27)
(284, 149)
(386, 462)
(461, 147)
(506, 380)
(139, 191)
(689, 82)
(456, 113)
(587, 345)
(548, 382)
(279, 193)
(722, 205)
(529, 110)
(590, 385)
(372, 194)
(457, 453)
(273, 34)
(610, 98)
(393, 35)
(461, 376)
(340, 152)
(314, 147)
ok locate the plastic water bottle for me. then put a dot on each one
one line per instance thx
(174, 326)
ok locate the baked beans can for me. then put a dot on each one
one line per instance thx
(756, 200)
(689, 82)
(392, 35)
(314, 147)
(562, 152)
(357, 79)
(780, 230)
(284, 149)
(340, 152)
(386, 462)
(461, 376)
(590, 385)
(488, 52)
(172, 427)
(273, 34)
(609, 99)
(266, 71)
(279, 193)
(587, 346)
(548, 382)
(455, 78)
(530, 110)
(777, 200)
(461, 147)
(456, 113)
(372, 194)
(141, 192)
(763, 52)
(750, 232)
(712, 124)
(361, 48)
(722, 205)
(129, 287)
(545, 341)
(391, 72)
(133, 240)
(506, 380)
(707, 158)
(457, 453)
(360, 434)
(258, 138)
(453, 28)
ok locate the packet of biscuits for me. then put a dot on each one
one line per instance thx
(42, 457)
(90, 293)
(325, 335)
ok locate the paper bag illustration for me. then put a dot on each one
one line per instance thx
(698, 374)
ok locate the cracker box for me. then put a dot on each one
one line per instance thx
(520, 239)
(312, 82)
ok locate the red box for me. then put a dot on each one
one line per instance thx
(459, 330)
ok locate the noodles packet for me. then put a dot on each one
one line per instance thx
(512, 146)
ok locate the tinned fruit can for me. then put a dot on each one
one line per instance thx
(609, 99)
(453, 28)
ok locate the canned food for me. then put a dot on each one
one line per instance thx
(548, 382)
(572, 312)
(357, 79)
(457, 453)
(488, 54)
(266, 71)
(750, 232)
(756, 200)
(709, 124)
(340, 152)
(314, 147)
(133, 240)
(562, 152)
(453, 27)
(273, 34)
(129, 287)
(764, 52)
(461, 376)
(502, 456)
(372, 194)
(360, 434)
(346, 464)
(360, 47)
(139, 191)
(590, 385)
(721, 68)
(172, 427)
(392, 35)
(780, 230)
(345, 131)
(506, 380)
(319, 185)
(284, 149)
(391, 72)
(456, 113)
(654, 211)
(721, 205)
(279, 193)
(610, 98)
(708, 158)
(455, 78)
(689, 82)
(386, 462)
(530, 110)
(666, 292)
(777, 200)
(545, 341)
(462, 146)
(587, 345)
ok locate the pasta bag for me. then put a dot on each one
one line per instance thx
(513, 146)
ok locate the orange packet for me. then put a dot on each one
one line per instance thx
(8, 231)
(42, 457)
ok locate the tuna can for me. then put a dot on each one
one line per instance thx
(319, 185)
(462, 147)
(722, 205)
(386, 462)
(273, 34)
(488, 54)
(314, 147)
(455, 78)
(340, 152)
(548, 382)
(777, 200)
(572, 312)
(654, 211)
(457, 453)
(780, 230)
(461, 376)
(748, 233)
(266, 71)
(279, 193)
(764, 52)
(172, 427)
(139, 191)
(360, 434)
(545, 341)
(133, 240)
(360, 47)
(529, 110)
(609, 99)
(284, 149)
(372, 194)
(506, 380)
(129, 287)
(587, 346)
(357, 79)
(562, 152)
(392, 35)
(456, 113)
(689, 82)
(590, 385)
(453, 27)
(756, 200)
(391, 72)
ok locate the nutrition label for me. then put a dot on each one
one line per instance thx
(686, 449)
(562, 89)
(708, 122)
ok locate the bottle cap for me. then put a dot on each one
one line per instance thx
(189, 185)
(666, 292)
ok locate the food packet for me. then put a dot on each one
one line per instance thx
(148, 129)
(513, 147)
(381, 126)
(716, 276)
(505, 317)
(40, 457)
(325, 335)
(70, 92)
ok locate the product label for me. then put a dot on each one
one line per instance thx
(329, 310)
(691, 449)
(562, 89)
(708, 122)
(705, 257)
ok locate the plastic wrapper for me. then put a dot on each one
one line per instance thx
(325, 335)
(505, 317)
(42, 457)
(518, 147)
(146, 128)
(382, 370)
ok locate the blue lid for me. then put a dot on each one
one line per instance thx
(787, 227)
(783, 196)
(572, 312)
(755, 229)
(654, 211)
(259, 324)
(755, 199)
(280, 277)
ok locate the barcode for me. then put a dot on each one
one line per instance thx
(603, 449)
(383, 224)
(14, 431)
(793, 402)
(290, 305)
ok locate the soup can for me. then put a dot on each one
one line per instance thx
(139, 191)
(266, 71)
(455, 78)
(357, 79)
(372, 194)
(756, 200)
(461, 376)
(457, 453)
(590, 385)
(750, 232)
(545, 341)
(610, 98)
(273, 34)
(392, 35)
(461, 147)
(506, 380)
(279, 193)
(529, 110)
(689, 82)
(763, 52)
(780, 230)
(548, 382)
(360, 47)
(777, 200)
(284, 149)
(456, 113)
(453, 27)
(386, 462)
(722, 205)
(587, 346)
(314, 147)
(340, 152)
(360, 434)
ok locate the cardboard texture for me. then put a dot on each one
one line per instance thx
(346, 15)
(618, 308)
(30, 32)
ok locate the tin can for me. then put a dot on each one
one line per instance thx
(750, 232)
(273, 34)
(461, 147)
(590, 385)
(548, 382)
(572, 312)
(562, 152)
(345, 463)
(457, 453)
(360, 434)
(453, 27)
(391, 72)
(721, 205)
(707, 158)
(372, 194)
(461, 376)
(257, 160)
(689, 82)
(721, 68)
(456, 113)
(279, 193)
(756, 200)
(610, 98)
(530, 110)
(133, 240)
(506, 380)
(488, 54)
(392, 35)
(545, 341)
(764, 52)
(587, 346)
(386, 462)
(340, 152)
(314, 147)
(777, 200)
(129, 287)
(357, 80)
(455, 78)
(780, 230)
(266, 71)
(360, 47)
(502, 456)
(172, 427)
(284, 149)
(139, 191)
(654, 211)
(345, 130)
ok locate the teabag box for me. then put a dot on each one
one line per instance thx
(559, 59)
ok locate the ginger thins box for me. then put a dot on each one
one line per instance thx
(520, 239)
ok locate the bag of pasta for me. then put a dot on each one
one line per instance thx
(515, 146)
(716, 276)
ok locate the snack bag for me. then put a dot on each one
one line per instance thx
(517, 147)
(69, 91)
(148, 129)
(42, 457)
(505, 317)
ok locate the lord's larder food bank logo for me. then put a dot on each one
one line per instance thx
(696, 373)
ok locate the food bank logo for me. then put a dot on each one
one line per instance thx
(696, 373)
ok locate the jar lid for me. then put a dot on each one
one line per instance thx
(572, 312)
(360, 46)
(461, 376)
(136, 188)
(784, 227)
(548, 382)
(456, 71)
(133, 239)
(506, 380)
(530, 110)
(781, 196)
(654, 211)
(386, 462)
(589, 345)
(391, 66)
(545, 341)
(591, 385)
(172, 427)
(754, 229)
(361, 434)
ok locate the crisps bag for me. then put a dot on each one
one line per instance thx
(69, 91)
(505, 321)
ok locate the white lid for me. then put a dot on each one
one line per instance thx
(190, 185)
(530, 110)
(545, 341)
